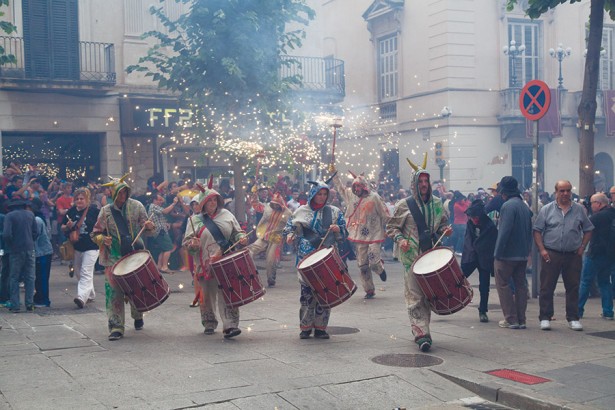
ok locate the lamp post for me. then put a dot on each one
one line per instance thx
(560, 53)
(512, 51)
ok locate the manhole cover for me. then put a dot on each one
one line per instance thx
(607, 335)
(341, 330)
(407, 360)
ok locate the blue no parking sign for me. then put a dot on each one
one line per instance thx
(534, 100)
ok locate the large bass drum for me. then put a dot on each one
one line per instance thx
(441, 280)
(138, 277)
(238, 278)
(327, 275)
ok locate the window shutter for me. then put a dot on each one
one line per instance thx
(64, 39)
(36, 38)
(51, 39)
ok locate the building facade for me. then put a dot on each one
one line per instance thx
(444, 76)
(68, 104)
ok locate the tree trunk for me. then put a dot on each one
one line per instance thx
(587, 107)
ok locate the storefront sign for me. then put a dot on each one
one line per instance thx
(144, 116)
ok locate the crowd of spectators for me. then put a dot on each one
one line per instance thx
(170, 203)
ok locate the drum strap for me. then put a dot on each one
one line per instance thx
(425, 235)
(216, 233)
(124, 231)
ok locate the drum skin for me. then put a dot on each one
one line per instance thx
(238, 279)
(441, 280)
(327, 275)
(138, 277)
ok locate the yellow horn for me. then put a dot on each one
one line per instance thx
(124, 177)
(109, 184)
(414, 167)
(425, 160)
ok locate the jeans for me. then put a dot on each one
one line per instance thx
(41, 283)
(84, 268)
(22, 266)
(459, 233)
(484, 278)
(5, 287)
(600, 267)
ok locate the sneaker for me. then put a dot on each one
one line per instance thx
(41, 305)
(506, 325)
(115, 336)
(30, 308)
(79, 303)
(606, 317)
(482, 316)
(139, 324)
(522, 325)
(424, 344)
(545, 325)
(383, 275)
(232, 332)
(575, 325)
(321, 334)
(369, 295)
(305, 334)
(209, 331)
(270, 284)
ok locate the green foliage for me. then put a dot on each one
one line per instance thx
(538, 7)
(226, 53)
(8, 28)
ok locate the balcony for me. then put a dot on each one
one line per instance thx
(96, 68)
(322, 79)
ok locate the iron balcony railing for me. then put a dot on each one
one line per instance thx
(96, 62)
(324, 76)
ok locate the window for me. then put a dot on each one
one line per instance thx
(524, 67)
(606, 59)
(387, 68)
(522, 165)
(51, 39)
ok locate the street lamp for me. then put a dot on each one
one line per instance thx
(512, 51)
(560, 53)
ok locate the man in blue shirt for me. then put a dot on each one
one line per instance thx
(562, 231)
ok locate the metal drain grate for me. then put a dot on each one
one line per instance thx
(518, 376)
(407, 360)
(341, 330)
(607, 335)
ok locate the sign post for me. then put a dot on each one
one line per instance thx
(534, 102)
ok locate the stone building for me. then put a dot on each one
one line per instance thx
(433, 76)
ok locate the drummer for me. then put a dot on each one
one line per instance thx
(314, 225)
(403, 228)
(209, 234)
(116, 228)
(269, 234)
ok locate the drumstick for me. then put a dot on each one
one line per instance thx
(138, 235)
(235, 244)
(441, 236)
(192, 225)
(325, 237)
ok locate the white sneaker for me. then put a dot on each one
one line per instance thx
(545, 325)
(575, 325)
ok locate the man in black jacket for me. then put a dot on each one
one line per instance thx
(599, 260)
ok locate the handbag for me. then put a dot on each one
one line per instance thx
(73, 236)
(67, 251)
